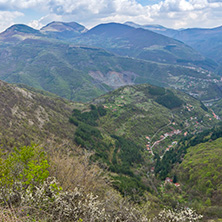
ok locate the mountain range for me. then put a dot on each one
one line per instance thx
(207, 41)
(72, 66)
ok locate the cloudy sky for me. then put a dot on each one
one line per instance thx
(170, 13)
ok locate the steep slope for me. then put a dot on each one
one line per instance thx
(27, 117)
(143, 44)
(63, 30)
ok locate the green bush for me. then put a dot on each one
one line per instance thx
(27, 164)
(20, 172)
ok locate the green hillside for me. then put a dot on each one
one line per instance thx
(200, 173)
(195, 165)
(42, 169)
(144, 110)
(115, 131)
(84, 73)
(130, 127)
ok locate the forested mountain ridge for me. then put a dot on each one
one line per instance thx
(142, 44)
(207, 41)
(82, 73)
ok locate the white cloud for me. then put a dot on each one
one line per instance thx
(22, 4)
(37, 24)
(187, 13)
(171, 13)
(7, 18)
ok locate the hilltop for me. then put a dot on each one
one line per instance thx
(19, 32)
(63, 30)
(137, 112)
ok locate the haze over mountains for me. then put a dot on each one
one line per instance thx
(206, 41)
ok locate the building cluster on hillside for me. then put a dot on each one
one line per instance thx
(189, 107)
(170, 181)
(215, 116)
(174, 132)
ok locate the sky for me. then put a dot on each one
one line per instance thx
(170, 13)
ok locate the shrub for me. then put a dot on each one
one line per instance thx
(22, 169)
(180, 215)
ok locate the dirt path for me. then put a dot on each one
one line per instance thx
(151, 148)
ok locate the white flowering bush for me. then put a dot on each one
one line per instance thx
(25, 187)
(62, 206)
(75, 205)
(177, 215)
(27, 193)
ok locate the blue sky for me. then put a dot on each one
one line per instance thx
(148, 2)
(169, 13)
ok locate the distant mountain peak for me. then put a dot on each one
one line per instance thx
(62, 27)
(110, 29)
(63, 30)
(21, 28)
(19, 31)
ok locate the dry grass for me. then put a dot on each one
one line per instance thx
(77, 171)
(10, 214)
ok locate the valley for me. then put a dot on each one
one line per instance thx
(113, 123)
